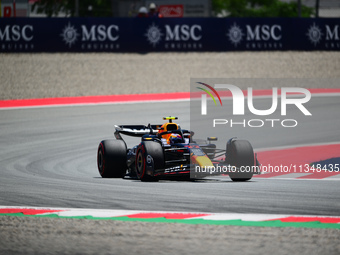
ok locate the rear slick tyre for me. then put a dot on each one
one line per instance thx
(111, 159)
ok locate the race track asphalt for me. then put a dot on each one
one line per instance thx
(48, 158)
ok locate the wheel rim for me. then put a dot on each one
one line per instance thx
(140, 164)
(100, 161)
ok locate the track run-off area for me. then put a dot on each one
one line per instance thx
(49, 172)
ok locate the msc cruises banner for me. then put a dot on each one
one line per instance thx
(167, 34)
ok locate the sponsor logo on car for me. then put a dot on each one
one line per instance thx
(176, 169)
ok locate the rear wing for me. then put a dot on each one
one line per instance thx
(135, 130)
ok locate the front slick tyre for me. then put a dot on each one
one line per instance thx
(152, 152)
(111, 159)
(241, 156)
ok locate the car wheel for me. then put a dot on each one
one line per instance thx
(149, 157)
(240, 153)
(111, 159)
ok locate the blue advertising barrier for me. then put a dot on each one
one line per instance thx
(167, 34)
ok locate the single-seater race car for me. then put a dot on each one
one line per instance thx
(168, 150)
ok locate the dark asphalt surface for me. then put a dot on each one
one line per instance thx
(48, 158)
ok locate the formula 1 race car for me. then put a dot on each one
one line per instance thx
(167, 150)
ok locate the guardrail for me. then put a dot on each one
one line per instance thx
(168, 34)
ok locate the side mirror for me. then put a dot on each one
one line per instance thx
(212, 139)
